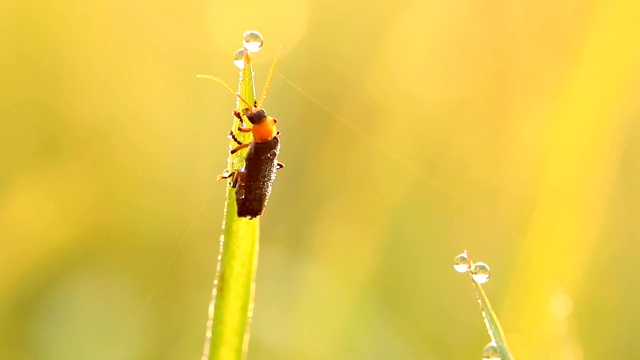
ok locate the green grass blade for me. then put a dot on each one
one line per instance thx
(491, 321)
(231, 305)
(479, 273)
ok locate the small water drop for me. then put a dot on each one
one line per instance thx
(252, 40)
(461, 263)
(480, 272)
(238, 58)
(490, 352)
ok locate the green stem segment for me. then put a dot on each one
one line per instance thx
(490, 318)
(492, 323)
(231, 304)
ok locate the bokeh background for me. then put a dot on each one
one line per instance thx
(507, 128)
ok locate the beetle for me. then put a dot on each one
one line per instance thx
(254, 181)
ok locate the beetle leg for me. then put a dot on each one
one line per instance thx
(239, 183)
(236, 113)
(241, 127)
(234, 138)
(238, 148)
(226, 175)
(279, 165)
(234, 176)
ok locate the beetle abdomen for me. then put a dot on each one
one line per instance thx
(256, 179)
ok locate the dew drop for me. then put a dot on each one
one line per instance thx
(252, 40)
(461, 263)
(238, 58)
(480, 272)
(490, 352)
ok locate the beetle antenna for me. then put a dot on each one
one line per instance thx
(211, 77)
(269, 77)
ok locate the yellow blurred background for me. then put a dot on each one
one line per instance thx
(509, 128)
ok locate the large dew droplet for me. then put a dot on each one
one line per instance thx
(461, 263)
(238, 58)
(252, 40)
(490, 352)
(480, 272)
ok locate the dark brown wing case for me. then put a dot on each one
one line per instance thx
(256, 178)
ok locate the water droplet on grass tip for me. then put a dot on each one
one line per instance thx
(490, 352)
(252, 40)
(238, 58)
(461, 263)
(480, 272)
